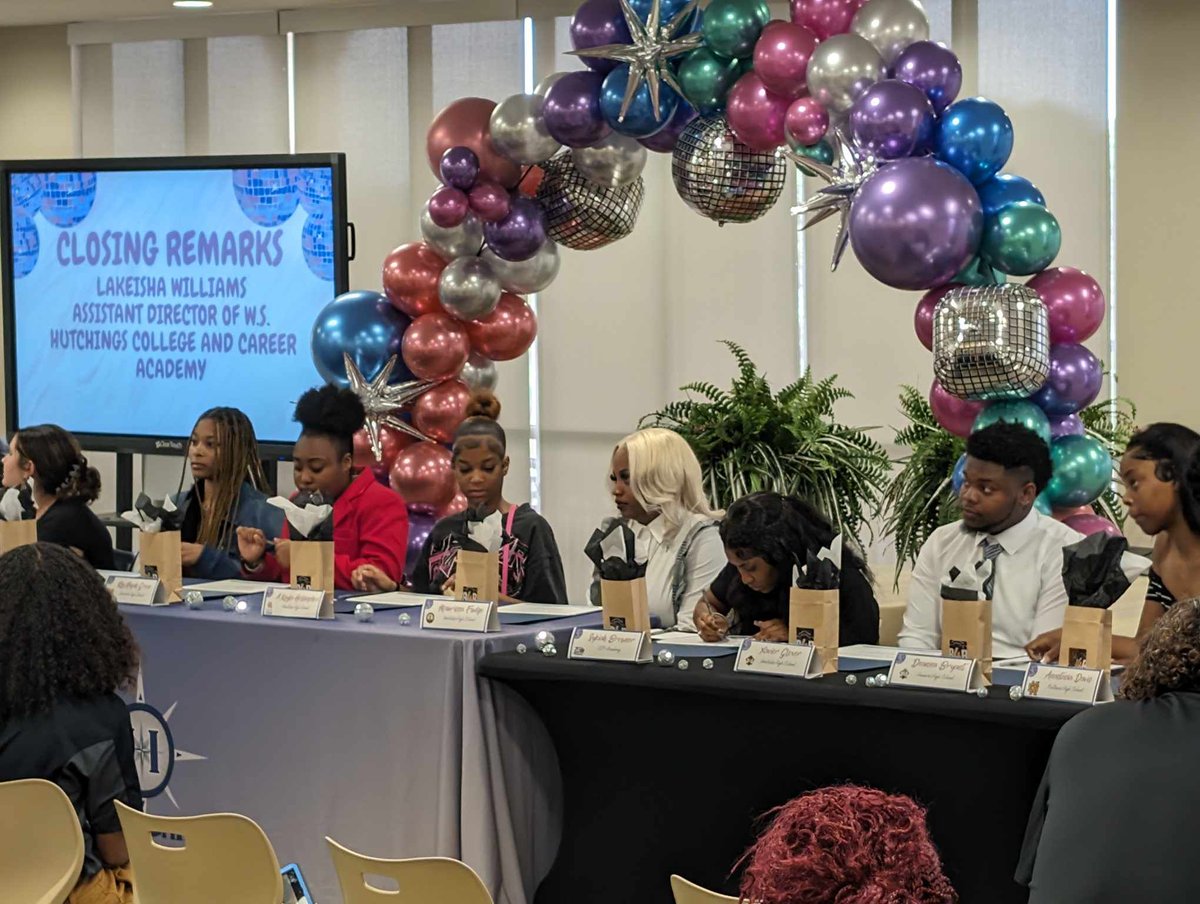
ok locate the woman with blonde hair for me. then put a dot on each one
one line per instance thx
(658, 488)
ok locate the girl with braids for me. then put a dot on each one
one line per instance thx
(370, 522)
(765, 535)
(65, 651)
(530, 567)
(63, 484)
(228, 492)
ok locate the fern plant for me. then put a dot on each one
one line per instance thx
(921, 498)
(750, 439)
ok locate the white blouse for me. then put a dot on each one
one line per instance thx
(705, 559)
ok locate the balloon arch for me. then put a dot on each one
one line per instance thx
(852, 92)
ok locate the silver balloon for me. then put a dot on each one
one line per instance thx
(479, 373)
(523, 277)
(547, 83)
(612, 162)
(462, 240)
(581, 214)
(519, 132)
(468, 288)
(721, 178)
(841, 68)
(891, 25)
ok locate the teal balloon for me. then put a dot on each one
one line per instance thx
(822, 152)
(1083, 470)
(706, 78)
(978, 273)
(1021, 239)
(1015, 411)
(1042, 504)
(731, 27)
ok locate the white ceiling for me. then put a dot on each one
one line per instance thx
(47, 12)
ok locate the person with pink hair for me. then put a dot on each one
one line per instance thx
(846, 845)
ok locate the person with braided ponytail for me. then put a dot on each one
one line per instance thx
(63, 485)
(228, 492)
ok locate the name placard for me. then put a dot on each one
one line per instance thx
(939, 673)
(294, 602)
(460, 615)
(137, 590)
(788, 659)
(609, 646)
(1066, 684)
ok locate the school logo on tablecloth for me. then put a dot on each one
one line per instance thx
(154, 748)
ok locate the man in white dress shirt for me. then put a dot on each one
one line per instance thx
(1007, 467)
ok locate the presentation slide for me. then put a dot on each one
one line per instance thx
(142, 298)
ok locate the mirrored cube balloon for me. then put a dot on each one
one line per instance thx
(991, 342)
(718, 176)
(581, 214)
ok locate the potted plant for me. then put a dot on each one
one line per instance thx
(750, 439)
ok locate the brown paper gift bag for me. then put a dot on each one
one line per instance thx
(158, 557)
(312, 564)
(967, 631)
(1086, 638)
(477, 575)
(813, 620)
(17, 533)
(625, 605)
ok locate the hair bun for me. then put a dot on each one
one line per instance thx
(484, 404)
(331, 410)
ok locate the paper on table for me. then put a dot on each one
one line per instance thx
(874, 651)
(232, 587)
(397, 598)
(550, 610)
(692, 639)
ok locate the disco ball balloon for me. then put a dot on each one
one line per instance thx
(316, 241)
(721, 178)
(581, 214)
(67, 197)
(316, 189)
(267, 196)
(26, 193)
(26, 245)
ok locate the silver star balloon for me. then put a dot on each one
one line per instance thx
(383, 402)
(851, 169)
(649, 56)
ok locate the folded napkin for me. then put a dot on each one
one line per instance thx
(17, 504)
(613, 550)
(485, 531)
(152, 517)
(1099, 569)
(822, 571)
(308, 516)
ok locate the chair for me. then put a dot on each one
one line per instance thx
(221, 857)
(41, 843)
(423, 880)
(689, 893)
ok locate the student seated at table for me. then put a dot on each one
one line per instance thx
(765, 535)
(530, 567)
(65, 651)
(1119, 792)
(63, 485)
(370, 522)
(847, 844)
(1007, 467)
(1160, 471)
(658, 489)
(227, 493)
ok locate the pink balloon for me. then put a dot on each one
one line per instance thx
(1064, 514)
(1092, 523)
(1073, 301)
(923, 318)
(435, 346)
(448, 207)
(755, 114)
(806, 122)
(490, 200)
(781, 58)
(955, 414)
(825, 18)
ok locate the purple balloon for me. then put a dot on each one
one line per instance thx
(520, 234)
(892, 119)
(1074, 381)
(915, 223)
(448, 207)
(459, 168)
(596, 23)
(663, 141)
(933, 68)
(572, 110)
(1067, 425)
(420, 523)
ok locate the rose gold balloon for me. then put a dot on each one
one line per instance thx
(423, 475)
(410, 278)
(390, 442)
(456, 505)
(506, 333)
(435, 346)
(438, 412)
(1064, 514)
(466, 123)
(531, 180)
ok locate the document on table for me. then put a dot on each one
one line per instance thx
(396, 599)
(881, 653)
(692, 639)
(1021, 663)
(231, 587)
(547, 610)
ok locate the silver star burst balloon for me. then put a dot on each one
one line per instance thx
(850, 170)
(649, 56)
(383, 402)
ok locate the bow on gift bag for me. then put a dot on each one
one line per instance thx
(967, 613)
(1096, 573)
(308, 516)
(814, 604)
(18, 527)
(158, 542)
(613, 550)
(477, 564)
(152, 517)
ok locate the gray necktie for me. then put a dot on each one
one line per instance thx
(991, 553)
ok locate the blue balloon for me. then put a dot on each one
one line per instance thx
(1015, 411)
(1005, 188)
(640, 120)
(365, 325)
(975, 136)
(667, 11)
(958, 478)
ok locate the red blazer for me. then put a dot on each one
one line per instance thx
(370, 526)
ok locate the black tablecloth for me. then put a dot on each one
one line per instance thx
(666, 771)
